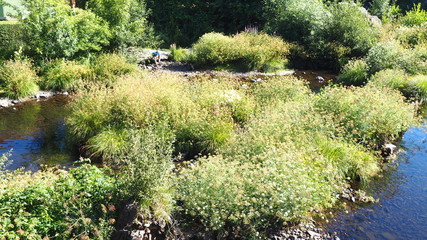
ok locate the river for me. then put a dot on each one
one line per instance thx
(35, 130)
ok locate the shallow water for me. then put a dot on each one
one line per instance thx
(401, 212)
(36, 131)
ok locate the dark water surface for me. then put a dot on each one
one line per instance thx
(401, 212)
(35, 131)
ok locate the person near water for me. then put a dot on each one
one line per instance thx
(156, 56)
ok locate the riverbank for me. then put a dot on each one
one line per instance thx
(7, 102)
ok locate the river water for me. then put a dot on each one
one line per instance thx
(36, 131)
(401, 212)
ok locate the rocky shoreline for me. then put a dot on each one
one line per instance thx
(6, 102)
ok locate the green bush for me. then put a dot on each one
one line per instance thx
(108, 67)
(370, 116)
(65, 75)
(415, 17)
(127, 20)
(54, 30)
(243, 50)
(355, 72)
(244, 199)
(350, 28)
(411, 36)
(295, 20)
(329, 34)
(18, 79)
(10, 39)
(57, 204)
(391, 55)
(379, 8)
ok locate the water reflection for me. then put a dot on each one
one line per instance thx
(36, 132)
(401, 212)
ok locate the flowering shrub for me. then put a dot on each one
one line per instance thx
(56, 204)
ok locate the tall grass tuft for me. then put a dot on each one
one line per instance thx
(18, 79)
(247, 51)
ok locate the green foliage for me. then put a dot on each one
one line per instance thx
(391, 55)
(108, 67)
(244, 199)
(249, 51)
(370, 116)
(53, 29)
(18, 79)
(178, 54)
(355, 72)
(350, 28)
(295, 20)
(411, 87)
(328, 34)
(379, 7)
(65, 75)
(411, 36)
(127, 22)
(183, 22)
(10, 39)
(415, 17)
(59, 205)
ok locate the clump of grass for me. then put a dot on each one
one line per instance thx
(246, 50)
(355, 72)
(108, 67)
(18, 79)
(179, 54)
(66, 75)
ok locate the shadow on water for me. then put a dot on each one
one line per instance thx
(401, 212)
(36, 132)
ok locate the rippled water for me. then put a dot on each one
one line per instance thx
(36, 132)
(401, 212)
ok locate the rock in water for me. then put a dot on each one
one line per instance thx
(319, 79)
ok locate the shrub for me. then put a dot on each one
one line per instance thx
(53, 30)
(108, 67)
(18, 79)
(379, 7)
(127, 21)
(65, 75)
(10, 39)
(355, 72)
(349, 27)
(295, 20)
(391, 55)
(245, 199)
(249, 51)
(370, 116)
(327, 33)
(411, 36)
(61, 205)
(415, 17)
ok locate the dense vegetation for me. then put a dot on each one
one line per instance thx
(255, 156)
